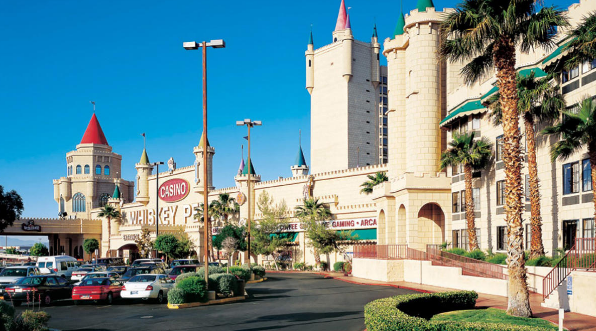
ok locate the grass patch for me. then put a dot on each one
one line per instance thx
(492, 315)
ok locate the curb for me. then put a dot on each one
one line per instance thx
(327, 276)
(212, 302)
(257, 281)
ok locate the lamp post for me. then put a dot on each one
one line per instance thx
(248, 124)
(156, 164)
(192, 45)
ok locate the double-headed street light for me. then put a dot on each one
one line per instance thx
(192, 45)
(156, 164)
(248, 124)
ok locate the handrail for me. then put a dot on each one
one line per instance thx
(581, 256)
(473, 266)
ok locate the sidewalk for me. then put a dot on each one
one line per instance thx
(573, 321)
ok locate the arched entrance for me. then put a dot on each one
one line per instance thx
(401, 225)
(129, 252)
(382, 229)
(431, 225)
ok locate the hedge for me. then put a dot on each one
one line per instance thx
(194, 289)
(212, 270)
(242, 273)
(258, 271)
(541, 261)
(476, 255)
(456, 250)
(338, 266)
(499, 258)
(176, 296)
(227, 284)
(411, 312)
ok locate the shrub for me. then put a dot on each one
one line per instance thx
(299, 265)
(324, 266)
(32, 321)
(338, 266)
(6, 314)
(176, 296)
(226, 283)
(541, 261)
(258, 271)
(409, 312)
(476, 255)
(212, 270)
(308, 267)
(455, 250)
(241, 273)
(348, 267)
(194, 289)
(188, 274)
(499, 258)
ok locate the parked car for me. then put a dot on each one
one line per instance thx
(136, 271)
(45, 288)
(109, 261)
(119, 269)
(183, 262)
(181, 269)
(152, 286)
(10, 275)
(139, 261)
(80, 273)
(95, 289)
(100, 274)
(63, 265)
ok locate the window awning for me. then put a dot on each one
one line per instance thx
(291, 236)
(468, 108)
(555, 55)
(538, 73)
(364, 234)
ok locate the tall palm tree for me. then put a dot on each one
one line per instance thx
(226, 206)
(577, 130)
(373, 180)
(313, 211)
(110, 213)
(485, 33)
(473, 155)
(582, 44)
(539, 101)
(213, 212)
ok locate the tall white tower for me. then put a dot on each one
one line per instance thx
(343, 80)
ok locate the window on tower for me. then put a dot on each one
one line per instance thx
(98, 169)
(87, 169)
(106, 170)
(78, 203)
(79, 169)
(103, 200)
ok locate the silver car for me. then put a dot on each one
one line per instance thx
(148, 286)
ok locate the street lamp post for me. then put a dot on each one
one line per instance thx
(156, 164)
(248, 124)
(192, 45)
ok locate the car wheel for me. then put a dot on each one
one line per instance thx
(110, 298)
(47, 300)
(160, 297)
(16, 303)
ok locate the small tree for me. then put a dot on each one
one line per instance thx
(168, 244)
(11, 208)
(144, 243)
(90, 245)
(39, 249)
(373, 180)
(230, 245)
(233, 231)
(11, 250)
(185, 245)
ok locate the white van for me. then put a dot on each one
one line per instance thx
(62, 265)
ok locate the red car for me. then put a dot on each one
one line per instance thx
(104, 289)
(182, 269)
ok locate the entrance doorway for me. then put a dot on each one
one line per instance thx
(569, 233)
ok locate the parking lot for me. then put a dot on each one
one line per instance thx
(285, 301)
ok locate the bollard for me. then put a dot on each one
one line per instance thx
(561, 317)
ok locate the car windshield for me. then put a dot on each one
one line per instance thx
(181, 270)
(116, 269)
(31, 281)
(94, 282)
(85, 270)
(14, 272)
(142, 279)
(132, 272)
(102, 275)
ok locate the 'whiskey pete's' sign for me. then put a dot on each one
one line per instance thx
(174, 190)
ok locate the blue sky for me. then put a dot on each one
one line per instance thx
(128, 57)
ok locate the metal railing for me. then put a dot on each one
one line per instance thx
(581, 256)
(468, 265)
(388, 252)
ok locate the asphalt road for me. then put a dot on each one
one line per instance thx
(283, 302)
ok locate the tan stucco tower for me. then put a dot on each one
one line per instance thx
(144, 170)
(198, 151)
(413, 207)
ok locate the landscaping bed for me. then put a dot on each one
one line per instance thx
(416, 312)
(492, 315)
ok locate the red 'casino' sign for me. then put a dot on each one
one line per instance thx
(174, 190)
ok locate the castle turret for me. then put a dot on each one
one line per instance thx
(242, 184)
(300, 168)
(310, 65)
(144, 170)
(348, 43)
(199, 166)
(375, 63)
(340, 25)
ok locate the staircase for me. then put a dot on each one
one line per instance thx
(470, 267)
(582, 256)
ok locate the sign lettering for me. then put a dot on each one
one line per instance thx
(174, 190)
(30, 226)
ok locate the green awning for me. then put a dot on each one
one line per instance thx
(291, 236)
(538, 73)
(490, 92)
(364, 234)
(554, 55)
(468, 108)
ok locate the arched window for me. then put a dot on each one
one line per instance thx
(106, 170)
(78, 203)
(78, 169)
(61, 205)
(98, 169)
(70, 170)
(103, 199)
(87, 169)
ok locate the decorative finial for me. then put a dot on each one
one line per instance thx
(93, 103)
(144, 140)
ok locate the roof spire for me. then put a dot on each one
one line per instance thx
(201, 143)
(300, 160)
(401, 23)
(348, 25)
(94, 133)
(341, 17)
(310, 41)
(117, 194)
(241, 167)
(375, 35)
(423, 4)
(93, 103)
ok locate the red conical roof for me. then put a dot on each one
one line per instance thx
(94, 133)
(341, 17)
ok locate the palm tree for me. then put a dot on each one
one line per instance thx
(313, 211)
(582, 45)
(485, 33)
(473, 155)
(373, 180)
(539, 101)
(110, 213)
(577, 130)
(226, 206)
(213, 212)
